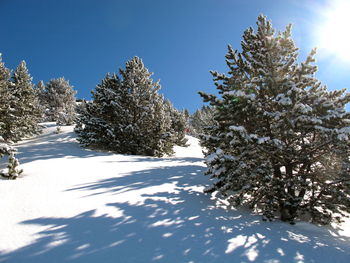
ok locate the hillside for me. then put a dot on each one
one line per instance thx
(77, 205)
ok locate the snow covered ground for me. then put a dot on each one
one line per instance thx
(76, 205)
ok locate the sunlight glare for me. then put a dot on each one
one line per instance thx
(333, 35)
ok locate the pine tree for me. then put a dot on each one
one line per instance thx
(20, 112)
(12, 168)
(178, 124)
(58, 96)
(127, 114)
(5, 75)
(281, 143)
(95, 118)
(187, 116)
(202, 120)
(27, 108)
(41, 96)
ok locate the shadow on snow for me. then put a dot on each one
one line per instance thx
(52, 145)
(183, 225)
(49, 146)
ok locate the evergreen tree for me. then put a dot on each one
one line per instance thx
(127, 114)
(20, 112)
(178, 124)
(27, 107)
(187, 116)
(41, 95)
(12, 168)
(5, 75)
(58, 96)
(202, 120)
(281, 143)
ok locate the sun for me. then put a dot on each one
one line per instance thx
(334, 30)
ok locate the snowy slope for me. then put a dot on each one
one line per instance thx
(76, 205)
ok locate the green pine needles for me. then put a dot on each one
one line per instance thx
(19, 106)
(281, 140)
(128, 115)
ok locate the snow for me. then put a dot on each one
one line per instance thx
(240, 93)
(283, 100)
(263, 140)
(237, 128)
(77, 205)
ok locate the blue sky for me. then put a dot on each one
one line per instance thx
(180, 41)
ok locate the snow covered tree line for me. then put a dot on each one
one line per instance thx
(280, 143)
(19, 113)
(128, 115)
(22, 108)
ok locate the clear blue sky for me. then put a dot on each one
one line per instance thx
(179, 40)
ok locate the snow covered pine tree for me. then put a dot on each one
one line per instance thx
(27, 104)
(127, 114)
(41, 96)
(202, 120)
(4, 95)
(12, 165)
(20, 113)
(58, 98)
(281, 143)
(178, 124)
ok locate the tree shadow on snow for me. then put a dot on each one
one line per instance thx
(137, 158)
(182, 225)
(49, 146)
(64, 145)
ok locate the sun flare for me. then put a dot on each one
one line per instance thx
(334, 35)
